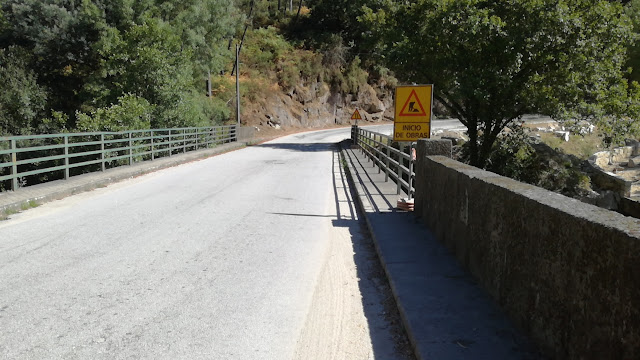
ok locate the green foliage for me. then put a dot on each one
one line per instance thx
(518, 156)
(309, 63)
(339, 18)
(84, 56)
(84, 64)
(355, 77)
(130, 112)
(29, 205)
(344, 76)
(148, 61)
(203, 26)
(59, 35)
(633, 12)
(264, 48)
(617, 117)
(513, 154)
(267, 52)
(193, 110)
(22, 100)
(493, 61)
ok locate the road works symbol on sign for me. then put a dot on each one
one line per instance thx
(413, 106)
(412, 113)
(356, 115)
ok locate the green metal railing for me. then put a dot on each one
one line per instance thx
(395, 162)
(31, 159)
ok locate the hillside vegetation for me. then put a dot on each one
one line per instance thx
(70, 65)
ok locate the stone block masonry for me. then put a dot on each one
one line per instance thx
(566, 272)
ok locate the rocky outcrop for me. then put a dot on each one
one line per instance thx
(315, 105)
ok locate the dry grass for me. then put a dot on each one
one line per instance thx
(579, 146)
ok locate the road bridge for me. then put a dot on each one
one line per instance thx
(231, 257)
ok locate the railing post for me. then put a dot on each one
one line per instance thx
(153, 154)
(365, 145)
(170, 142)
(184, 141)
(14, 165)
(386, 160)
(374, 150)
(354, 134)
(372, 146)
(130, 150)
(66, 157)
(102, 151)
(196, 139)
(377, 144)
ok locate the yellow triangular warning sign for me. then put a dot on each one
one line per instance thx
(413, 106)
(356, 115)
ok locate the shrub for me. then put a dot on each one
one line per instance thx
(129, 113)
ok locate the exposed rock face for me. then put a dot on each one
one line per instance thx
(369, 102)
(634, 162)
(314, 105)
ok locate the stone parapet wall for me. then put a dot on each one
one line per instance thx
(566, 272)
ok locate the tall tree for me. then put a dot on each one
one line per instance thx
(493, 61)
(203, 26)
(59, 34)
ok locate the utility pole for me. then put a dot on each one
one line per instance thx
(237, 85)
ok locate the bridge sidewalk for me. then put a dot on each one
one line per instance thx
(41, 193)
(445, 313)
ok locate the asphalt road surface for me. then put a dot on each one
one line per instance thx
(215, 259)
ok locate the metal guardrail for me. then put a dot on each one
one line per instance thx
(29, 159)
(395, 162)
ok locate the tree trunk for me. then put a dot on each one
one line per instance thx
(298, 13)
(243, 34)
(489, 136)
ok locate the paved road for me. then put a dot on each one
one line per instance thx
(214, 259)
